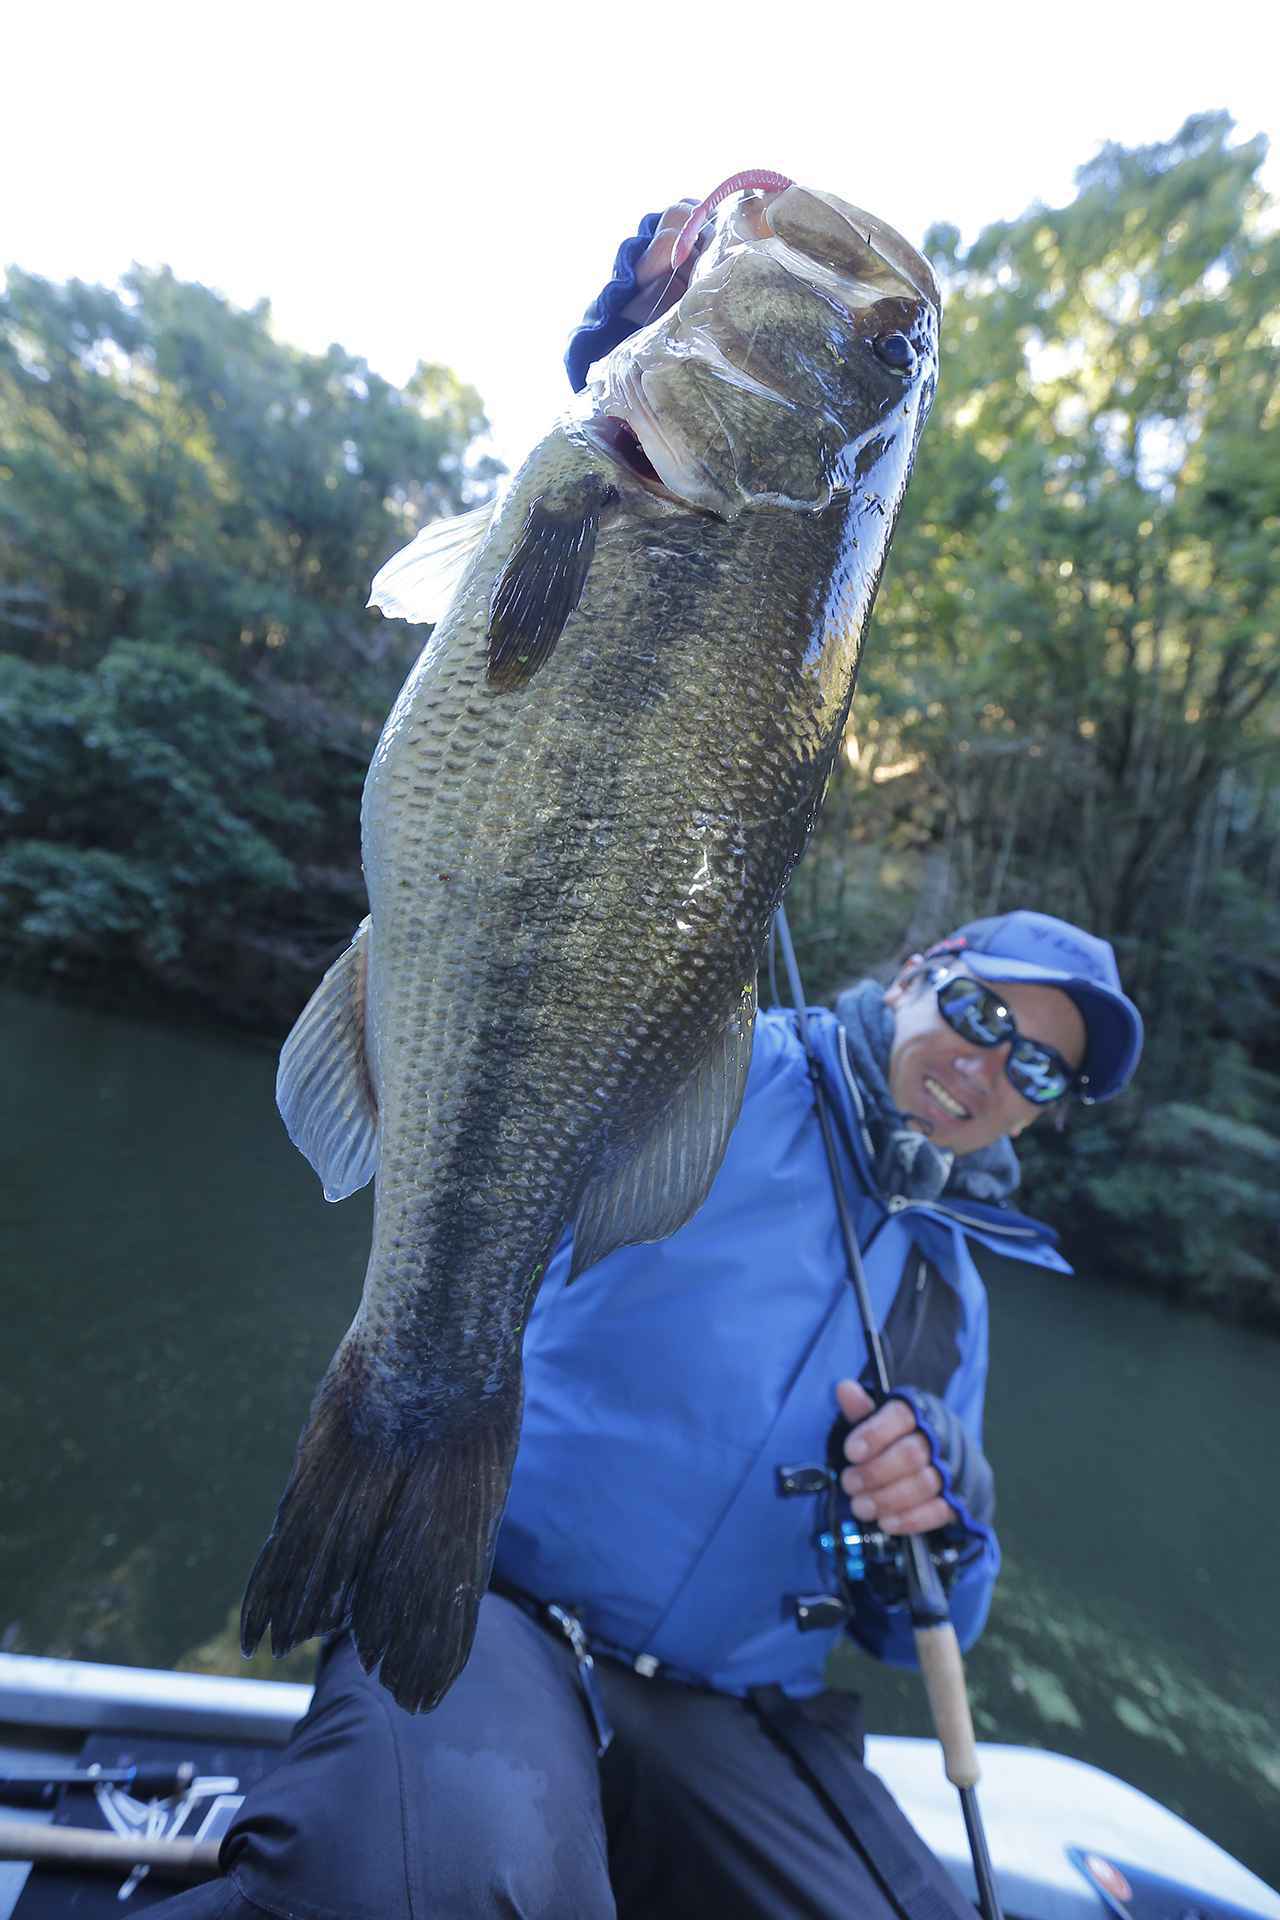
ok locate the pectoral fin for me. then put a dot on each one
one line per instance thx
(323, 1089)
(663, 1182)
(418, 583)
(542, 582)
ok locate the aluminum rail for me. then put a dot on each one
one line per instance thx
(36, 1691)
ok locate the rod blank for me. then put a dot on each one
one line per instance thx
(86, 1847)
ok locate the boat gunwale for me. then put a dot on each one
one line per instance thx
(41, 1690)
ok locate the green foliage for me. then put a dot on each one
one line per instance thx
(183, 765)
(190, 514)
(41, 761)
(145, 793)
(1085, 614)
(173, 472)
(1191, 1208)
(63, 905)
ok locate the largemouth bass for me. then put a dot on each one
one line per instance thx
(580, 816)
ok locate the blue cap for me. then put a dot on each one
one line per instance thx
(1052, 953)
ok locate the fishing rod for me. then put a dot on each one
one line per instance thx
(143, 1783)
(937, 1647)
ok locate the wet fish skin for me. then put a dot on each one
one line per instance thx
(575, 831)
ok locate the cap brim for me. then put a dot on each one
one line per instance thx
(1113, 1024)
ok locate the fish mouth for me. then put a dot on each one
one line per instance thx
(618, 439)
(870, 256)
(622, 443)
(650, 406)
(858, 256)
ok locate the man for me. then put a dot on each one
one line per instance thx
(643, 1727)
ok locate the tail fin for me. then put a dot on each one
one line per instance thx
(389, 1530)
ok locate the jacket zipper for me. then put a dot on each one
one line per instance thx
(896, 1203)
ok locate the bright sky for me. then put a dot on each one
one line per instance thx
(451, 183)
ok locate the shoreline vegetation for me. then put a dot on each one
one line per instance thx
(1071, 698)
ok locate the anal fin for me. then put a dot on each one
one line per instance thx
(665, 1179)
(323, 1089)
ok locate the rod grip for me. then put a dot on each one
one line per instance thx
(88, 1847)
(943, 1670)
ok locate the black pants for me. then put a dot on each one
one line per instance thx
(496, 1804)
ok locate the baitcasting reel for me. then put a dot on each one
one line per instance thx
(860, 1553)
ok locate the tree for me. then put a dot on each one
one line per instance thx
(190, 514)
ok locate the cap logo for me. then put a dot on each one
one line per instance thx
(1072, 948)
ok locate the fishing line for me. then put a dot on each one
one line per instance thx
(661, 300)
(775, 998)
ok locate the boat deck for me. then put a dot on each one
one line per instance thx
(1044, 1813)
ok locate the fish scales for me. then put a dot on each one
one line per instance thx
(579, 819)
(572, 998)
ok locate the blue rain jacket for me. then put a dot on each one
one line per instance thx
(668, 1384)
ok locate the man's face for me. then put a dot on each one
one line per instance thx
(955, 1092)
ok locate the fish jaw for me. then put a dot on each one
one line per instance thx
(764, 384)
(870, 257)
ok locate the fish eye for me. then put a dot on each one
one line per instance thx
(894, 350)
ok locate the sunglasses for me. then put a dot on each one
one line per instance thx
(980, 1016)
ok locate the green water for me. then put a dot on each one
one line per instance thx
(173, 1283)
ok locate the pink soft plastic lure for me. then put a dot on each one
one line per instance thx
(687, 237)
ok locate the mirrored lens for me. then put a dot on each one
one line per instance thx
(975, 1013)
(1038, 1073)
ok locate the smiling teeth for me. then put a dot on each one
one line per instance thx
(944, 1099)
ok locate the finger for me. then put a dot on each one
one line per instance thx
(853, 1400)
(655, 261)
(892, 1496)
(656, 258)
(898, 1461)
(676, 215)
(923, 1519)
(893, 1420)
(657, 288)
